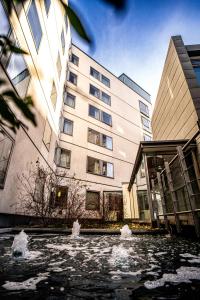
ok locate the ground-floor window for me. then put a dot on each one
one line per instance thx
(92, 200)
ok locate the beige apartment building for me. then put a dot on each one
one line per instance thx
(172, 159)
(90, 122)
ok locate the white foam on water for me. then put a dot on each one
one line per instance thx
(187, 255)
(183, 274)
(160, 253)
(194, 260)
(29, 284)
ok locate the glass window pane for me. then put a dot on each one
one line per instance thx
(110, 170)
(197, 72)
(105, 80)
(94, 137)
(94, 112)
(74, 59)
(144, 108)
(64, 160)
(147, 138)
(94, 73)
(47, 4)
(47, 135)
(145, 123)
(106, 118)
(107, 142)
(53, 95)
(93, 165)
(16, 68)
(5, 25)
(94, 91)
(105, 98)
(73, 78)
(35, 23)
(68, 127)
(63, 40)
(58, 64)
(69, 99)
(5, 152)
(92, 200)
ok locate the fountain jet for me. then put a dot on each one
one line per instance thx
(19, 246)
(125, 232)
(75, 230)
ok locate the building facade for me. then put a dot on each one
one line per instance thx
(89, 122)
(172, 163)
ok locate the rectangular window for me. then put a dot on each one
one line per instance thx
(144, 108)
(107, 142)
(61, 196)
(99, 167)
(94, 91)
(53, 95)
(74, 59)
(58, 64)
(147, 138)
(94, 73)
(92, 200)
(68, 127)
(69, 99)
(16, 68)
(35, 24)
(5, 27)
(105, 98)
(47, 4)
(63, 40)
(6, 145)
(62, 157)
(99, 139)
(73, 78)
(94, 137)
(106, 118)
(47, 135)
(105, 80)
(94, 112)
(93, 166)
(145, 124)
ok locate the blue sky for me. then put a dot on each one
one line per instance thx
(136, 43)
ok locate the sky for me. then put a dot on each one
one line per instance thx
(136, 41)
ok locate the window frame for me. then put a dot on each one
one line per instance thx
(145, 127)
(101, 139)
(76, 59)
(104, 112)
(73, 96)
(101, 162)
(47, 124)
(10, 155)
(90, 105)
(72, 122)
(56, 158)
(149, 140)
(147, 114)
(47, 8)
(106, 79)
(36, 46)
(99, 199)
(76, 76)
(95, 71)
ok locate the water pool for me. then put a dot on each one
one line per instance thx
(101, 267)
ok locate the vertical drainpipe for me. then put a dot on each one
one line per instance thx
(148, 189)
